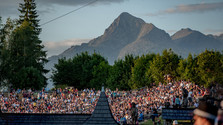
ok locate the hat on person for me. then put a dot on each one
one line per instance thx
(206, 110)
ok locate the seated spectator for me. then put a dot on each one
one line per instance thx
(141, 117)
(123, 120)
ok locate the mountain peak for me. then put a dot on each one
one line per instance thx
(186, 29)
(126, 17)
(126, 23)
(125, 27)
(124, 14)
(182, 33)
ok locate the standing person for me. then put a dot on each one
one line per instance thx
(154, 115)
(185, 99)
(134, 113)
(177, 102)
(190, 97)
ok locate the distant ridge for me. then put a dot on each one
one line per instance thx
(131, 35)
(195, 41)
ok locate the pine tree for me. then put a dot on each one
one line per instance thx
(25, 56)
(29, 14)
(5, 34)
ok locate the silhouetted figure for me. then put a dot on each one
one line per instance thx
(134, 113)
(1, 115)
(154, 116)
(167, 103)
(185, 102)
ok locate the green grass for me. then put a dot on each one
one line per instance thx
(150, 122)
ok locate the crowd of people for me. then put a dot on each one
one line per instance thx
(58, 101)
(146, 100)
(182, 94)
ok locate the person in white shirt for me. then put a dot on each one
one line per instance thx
(190, 97)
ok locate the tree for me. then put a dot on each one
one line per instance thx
(140, 76)
(88, 68)
(186, 69)
(181, 69)
(5, 32)
(29, 77)
(164, 65)
(65, 72)
(210, 67)
(190, 70)
(29, 14)
(128, 63)
(5, 36)
(22, 50)
(156, 69)
(26, 56)
(82, 71)
(120, 73)
(100, 75)
(115, 75)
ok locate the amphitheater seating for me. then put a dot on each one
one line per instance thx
(43, 119)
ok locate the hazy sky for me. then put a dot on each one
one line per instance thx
(91, 21)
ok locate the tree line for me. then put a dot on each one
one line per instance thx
(132, 72)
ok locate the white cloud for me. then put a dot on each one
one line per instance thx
(190, 8)
(55, 48)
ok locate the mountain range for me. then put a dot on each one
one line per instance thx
(131, 35)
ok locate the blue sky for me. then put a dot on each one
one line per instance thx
(90, 22)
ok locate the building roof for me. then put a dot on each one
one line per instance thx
(43, 119)
(102, 113)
